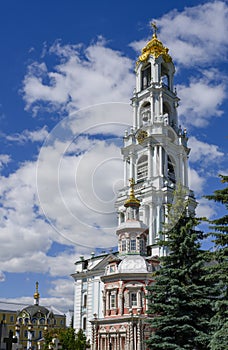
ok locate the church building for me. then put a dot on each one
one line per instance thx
(110, 290)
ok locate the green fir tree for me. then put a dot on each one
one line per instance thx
(179, 302)
(218, 271)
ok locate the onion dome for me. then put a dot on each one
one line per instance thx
(155, 48)
(132, 201)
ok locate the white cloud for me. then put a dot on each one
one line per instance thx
(34, 136)
(201, 101)
(84, 77)
(196, 182)
(71, 196)
(197, 35)
(205, 209)
(204, 152)
(2, 276)
(4, 160)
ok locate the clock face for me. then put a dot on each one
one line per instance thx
(141, 136)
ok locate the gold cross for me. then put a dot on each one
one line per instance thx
(155, 28)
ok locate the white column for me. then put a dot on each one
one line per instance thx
(139, 299)
(132, 173)
(149, 176)
(155, 161)
(158, 215)
(125, 172)
(180, 169)
(160, 160)
(150, 238)
(161, 104)
(185, 171)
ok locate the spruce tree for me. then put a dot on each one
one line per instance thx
(179, 306)
(218, 271)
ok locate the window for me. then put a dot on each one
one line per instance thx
(142, 245)
(11, 318)
(84, 300)
(40, 334)
(41, 320)
(133, 299)
(133, 244)
(171, 171)
(146, 76)
(124, 245)
(113, 301)
(142, 168)
(112, 268)
(26, 334)
(84, 324)
(34, 320)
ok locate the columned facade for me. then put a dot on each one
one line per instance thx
(155, 151)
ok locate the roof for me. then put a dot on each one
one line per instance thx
(15, 307)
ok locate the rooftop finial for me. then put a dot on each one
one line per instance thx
(36, 295)
(132, 201)
(155, 28)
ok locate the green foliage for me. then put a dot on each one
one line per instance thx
(67, 337)
(218, 271)
(80, 340)
(179, 305)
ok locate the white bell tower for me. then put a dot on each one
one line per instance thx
(155, 151)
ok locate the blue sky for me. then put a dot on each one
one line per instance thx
(67, 76)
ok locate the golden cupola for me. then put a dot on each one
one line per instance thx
(155, 48)
(132, 201)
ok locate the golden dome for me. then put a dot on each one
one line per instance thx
(155, 48)
(132, 201)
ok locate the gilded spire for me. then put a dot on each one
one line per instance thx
(155, 48)
(36, 294)
(132, 201)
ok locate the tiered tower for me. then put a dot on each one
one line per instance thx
(155, 151)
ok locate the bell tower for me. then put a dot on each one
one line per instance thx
(155, 151)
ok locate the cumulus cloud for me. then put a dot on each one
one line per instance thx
(205, 209)
(2, 276)
(4, 160)
(194, 36)
(196, 182)
(199, 33)
(201, 101)
(203, 152)
(84, 77)
(27, 135)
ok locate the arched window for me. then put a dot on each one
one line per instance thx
(34, 321)
(146, 76)
(41, 321)
(142, 168)
(133, 299)
(165, 76)
(171, 170)
(145, 113)
(84, 300)
(123, 245)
